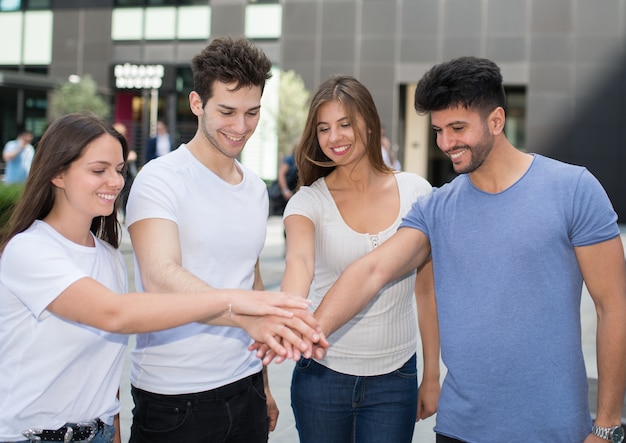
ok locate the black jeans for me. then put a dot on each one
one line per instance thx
(234, 413)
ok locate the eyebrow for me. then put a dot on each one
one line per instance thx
(230, 108)
(339, 120)
(456, 122)
(102, 162)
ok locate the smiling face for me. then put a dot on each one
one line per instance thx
(91, 184)
(341, 139)
(229, 117)
(464, 136)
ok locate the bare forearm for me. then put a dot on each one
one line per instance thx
(351, 293)
(145, 312)
(427, 320)
(611, 357)
(429, 332)
(297, 277)
(170, 277)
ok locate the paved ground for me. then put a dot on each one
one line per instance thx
(272, 265)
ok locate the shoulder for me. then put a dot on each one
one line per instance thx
(167, 164)
(553, 166)
(38, 237)
(414, 180)
(560, 177)
(308, 199)
(10, 145)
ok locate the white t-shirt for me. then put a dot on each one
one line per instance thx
(383, 336)
(52, 370)
(222, 231)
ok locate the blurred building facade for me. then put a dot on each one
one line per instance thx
(563, 62)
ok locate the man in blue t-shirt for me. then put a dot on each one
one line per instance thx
(512, 238)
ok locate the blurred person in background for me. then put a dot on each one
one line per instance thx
(18, 156)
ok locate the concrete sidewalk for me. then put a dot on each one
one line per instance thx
(272, 266)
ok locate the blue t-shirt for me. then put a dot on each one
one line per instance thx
(508, 291)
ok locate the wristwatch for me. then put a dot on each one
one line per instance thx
(614, 434)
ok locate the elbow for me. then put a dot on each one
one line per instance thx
(115, 322)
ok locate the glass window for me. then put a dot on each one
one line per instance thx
(161, 2)
(11, 26)
(160, 23)
(37, 38)
(124, 3)
(37, 4)
(10, 5)
(127, 24)
(264, 21)
(194, 22)
(516, 116)
(130, 3)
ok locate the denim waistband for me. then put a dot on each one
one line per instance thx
(221, 393)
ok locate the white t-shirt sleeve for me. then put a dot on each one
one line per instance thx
(37, 271)
(305, 202)
(151, 196)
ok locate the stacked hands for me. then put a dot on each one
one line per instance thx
(281, 325)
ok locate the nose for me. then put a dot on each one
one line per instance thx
(334, 135)
(445, 140)
(117, 180)
(239, 124)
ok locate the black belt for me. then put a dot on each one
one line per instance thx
(69, 432)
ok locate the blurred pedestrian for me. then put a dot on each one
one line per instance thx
(18, 156)
(286, 182)
(160, 144)
(130, 171)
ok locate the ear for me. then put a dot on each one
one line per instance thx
(496, 121)
(195, 103)
(58, 181)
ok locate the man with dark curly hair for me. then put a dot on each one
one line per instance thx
(197, 219)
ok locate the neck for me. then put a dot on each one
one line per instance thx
(74, 229)
(221, 165)
(360, 177)
(504, 166)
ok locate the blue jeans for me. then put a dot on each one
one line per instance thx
(331, 407)
(234, 413)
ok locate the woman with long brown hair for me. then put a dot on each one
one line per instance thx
(63, 312)
(365, 388)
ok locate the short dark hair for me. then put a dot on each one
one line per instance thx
(469, 82)
(229, 60)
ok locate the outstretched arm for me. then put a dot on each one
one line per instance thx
(298, 275)
(604, 271)
(405, 251)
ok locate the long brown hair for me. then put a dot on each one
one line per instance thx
(311, 162)
(61, 144)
